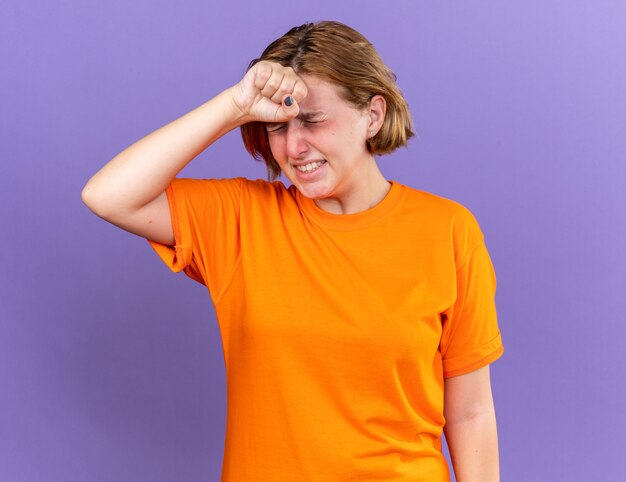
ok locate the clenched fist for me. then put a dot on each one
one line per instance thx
(268, 92)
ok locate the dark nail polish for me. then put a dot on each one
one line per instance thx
(288, 101)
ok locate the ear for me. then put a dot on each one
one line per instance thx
(377, 110)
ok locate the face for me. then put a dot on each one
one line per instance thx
(323, 151)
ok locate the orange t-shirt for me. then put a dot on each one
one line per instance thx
(338, 330)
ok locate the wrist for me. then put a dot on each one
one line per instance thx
(232, 109)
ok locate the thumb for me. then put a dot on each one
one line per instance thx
(289, 107)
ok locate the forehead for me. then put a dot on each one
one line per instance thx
(321, 94)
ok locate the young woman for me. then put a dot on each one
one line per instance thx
(357, 314)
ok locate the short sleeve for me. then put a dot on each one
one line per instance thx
(471, 338)
(205, 220)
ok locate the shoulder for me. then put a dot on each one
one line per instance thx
(204, 193)
(248, 193)
(194, 185)
(262, 186)
(256, 187)
(260, 189)
(439, 206)
(457, 220)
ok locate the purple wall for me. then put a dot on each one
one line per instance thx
(111, 367)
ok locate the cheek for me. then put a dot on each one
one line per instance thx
(277, 146)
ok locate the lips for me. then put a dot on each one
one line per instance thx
(308, 170)
(304, 163)
(310, 167)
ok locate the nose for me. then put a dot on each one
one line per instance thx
(297, 145)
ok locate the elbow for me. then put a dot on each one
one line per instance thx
(87, 196)
(105, 203)
(91, 199)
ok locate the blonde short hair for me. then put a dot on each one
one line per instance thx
(338, 54)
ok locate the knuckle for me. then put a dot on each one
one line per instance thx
(264, 69)
(300, 91)
(273, 83)
(264, 74)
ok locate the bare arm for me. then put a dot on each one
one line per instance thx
(129, 190)
(470, 429)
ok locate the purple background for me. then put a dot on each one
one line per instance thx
(111, 368)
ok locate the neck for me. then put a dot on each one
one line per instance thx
(368, 192)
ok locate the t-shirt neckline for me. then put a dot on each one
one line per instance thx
(349, 222)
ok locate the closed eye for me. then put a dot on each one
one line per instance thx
(271, 128)
(312, 122)
(274, 127)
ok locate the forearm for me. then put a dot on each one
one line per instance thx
(473, 446)
(142, 171)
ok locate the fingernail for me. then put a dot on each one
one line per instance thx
(288, 101)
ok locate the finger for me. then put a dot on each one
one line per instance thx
(299, 90)
(262, 73)
(286, 88)
(288, 109)
(273, 84)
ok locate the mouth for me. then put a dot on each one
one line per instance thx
(310, 167)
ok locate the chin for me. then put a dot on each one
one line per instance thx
(313, 192)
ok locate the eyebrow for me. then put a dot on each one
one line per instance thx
(303, 116)
(309, 115)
